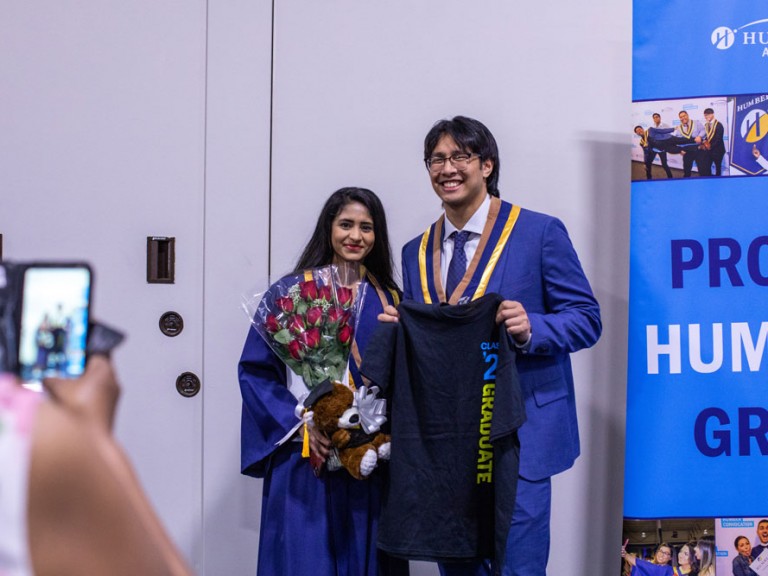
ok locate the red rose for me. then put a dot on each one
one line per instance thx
(335, 314)
(345, 334)
(295, 350)
(311, 338)
(271, 324)
(325, 293)
(308, 290)
(344, 296)
(285, 304)
(314, 316)
(296, 324)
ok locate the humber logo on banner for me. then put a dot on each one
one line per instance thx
(750, 145)
(724, 37)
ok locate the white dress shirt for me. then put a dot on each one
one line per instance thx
(474, 226)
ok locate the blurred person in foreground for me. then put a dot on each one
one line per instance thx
(70, 501)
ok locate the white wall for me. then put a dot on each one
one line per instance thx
(236, 256)
(349, 93)
(102, 143)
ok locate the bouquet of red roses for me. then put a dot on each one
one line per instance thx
(309, 322)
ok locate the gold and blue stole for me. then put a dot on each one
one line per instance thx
(385, 297)
(687, 133)
(710, 131)
(502, 218)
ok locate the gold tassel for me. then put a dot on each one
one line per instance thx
(305, 443)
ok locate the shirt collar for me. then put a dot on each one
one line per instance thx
(475, 224)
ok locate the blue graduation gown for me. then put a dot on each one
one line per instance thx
(324, 526)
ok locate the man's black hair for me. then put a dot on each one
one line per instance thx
(471, 136)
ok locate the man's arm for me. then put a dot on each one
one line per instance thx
(699, 132)
(571, 320)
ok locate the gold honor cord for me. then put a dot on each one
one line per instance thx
(644, 139)
(395, 296)
(690, 130)
(423, 266)
(496, 254)
(379, 289)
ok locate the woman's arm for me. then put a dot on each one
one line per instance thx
(645, 568)
(268, 411)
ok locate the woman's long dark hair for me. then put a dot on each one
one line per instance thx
(319, 251)
(707, 546)
(691, 556)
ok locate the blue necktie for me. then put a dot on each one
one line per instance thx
(458, 265)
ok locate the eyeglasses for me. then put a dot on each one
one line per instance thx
(664, 552)
(459, 160)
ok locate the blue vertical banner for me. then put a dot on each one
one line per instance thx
(697, 396)
(697, 405)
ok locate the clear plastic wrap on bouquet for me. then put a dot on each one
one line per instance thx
(309, 320)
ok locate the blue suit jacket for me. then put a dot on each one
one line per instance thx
(540, 269)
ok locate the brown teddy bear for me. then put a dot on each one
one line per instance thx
(351, 419)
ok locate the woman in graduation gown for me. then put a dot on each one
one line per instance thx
(323, 525)
(661, 565)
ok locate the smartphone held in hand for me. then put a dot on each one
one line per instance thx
(47, 312)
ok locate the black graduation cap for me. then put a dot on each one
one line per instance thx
(325, 387)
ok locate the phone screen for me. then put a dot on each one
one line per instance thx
(55, 309)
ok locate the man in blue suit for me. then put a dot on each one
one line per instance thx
(549, 311)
